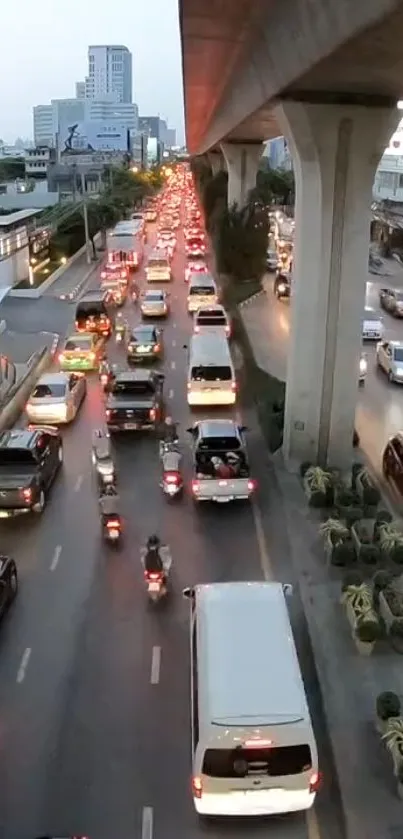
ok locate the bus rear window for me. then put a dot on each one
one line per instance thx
(213, 373)
(212, 320)
(243, 762)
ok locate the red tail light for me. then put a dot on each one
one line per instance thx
(197, 328)
(153, 414)
(61, 357)
(234, 387)
(27, 495)
(103, 275)
(195, 487)
(113, 525)
(155, 576)
(197, 787)
(171, 479)
(315, 782)
(157, 348)
(227, 331)
(108, 414)
(251, 486)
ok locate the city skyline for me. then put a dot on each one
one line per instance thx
(54, 69)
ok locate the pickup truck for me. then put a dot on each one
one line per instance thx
(29, 461)
(215, 441)
(135, 401)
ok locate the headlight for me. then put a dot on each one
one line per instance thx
(363, 365)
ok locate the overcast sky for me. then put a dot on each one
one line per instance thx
(44, 52)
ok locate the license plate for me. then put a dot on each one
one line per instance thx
(371, 334)
(143, 349)
(222, 500)
(4, 515)
(131, 426)
(113, 534)
(154, 587)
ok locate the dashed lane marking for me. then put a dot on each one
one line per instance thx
(147, 823)
(78, 483)
(174, 326)
(155, 665)
(171, 394)
(174, 343)
(173, 365)
(55, 558)
(23, 666)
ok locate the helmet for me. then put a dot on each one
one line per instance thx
(153, 541)
(168, 421)
(232, 458)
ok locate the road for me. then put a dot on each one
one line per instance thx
(94, 686)
(379, 403)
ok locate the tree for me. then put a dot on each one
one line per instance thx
(12, 168)
(103, 214)
(241, 242)
(274, 185)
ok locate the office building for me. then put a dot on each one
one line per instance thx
(388, 184)
(278, 154)
(37, 161)
(80, 90)
(170, 138)
(109, 73)
(43, 125)
(154, 127)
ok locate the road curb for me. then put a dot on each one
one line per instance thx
(251, 299)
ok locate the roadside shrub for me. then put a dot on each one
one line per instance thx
(387, 705)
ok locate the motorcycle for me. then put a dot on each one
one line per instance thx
(106, 473)
(119, 336)
(157, 581)
(167, 446)
(112, 530)
(172, 484)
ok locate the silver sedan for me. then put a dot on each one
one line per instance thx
(56, 398)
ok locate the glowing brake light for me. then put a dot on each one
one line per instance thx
(27, 495)
(197, 787)
(251, 485)
(227, 331)
(103, 275)
(157, 348)
(151, 575)
(171, 479)
(258, 744)
(113, 525)
(91, 356)
(108, 414)
(153, 414)
(197, 328)
(61, 357)
(195, 487)
(314, 782)
(233, 387)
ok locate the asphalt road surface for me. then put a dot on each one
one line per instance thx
(379, 403)
(94, 685)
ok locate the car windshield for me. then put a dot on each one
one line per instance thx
(133, 388)
(398, 354)
(157, 263)
(215, 373)
(78, 344)
(143, 335)
(154, 296)
(49, 391)
(90, 310)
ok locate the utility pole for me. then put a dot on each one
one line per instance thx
(85, 214)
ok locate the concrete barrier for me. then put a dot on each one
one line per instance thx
(21, 391)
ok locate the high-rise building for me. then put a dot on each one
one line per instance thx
(170, 138)
(44, 132)
(153, 126)
(80, 90)
(109, 73)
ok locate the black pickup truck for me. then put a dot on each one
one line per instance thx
(135, 401)
(29, 461)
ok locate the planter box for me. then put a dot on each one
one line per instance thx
(400, 790)
(349, 514)
(364, 647)
(386, 612)
(351, 615)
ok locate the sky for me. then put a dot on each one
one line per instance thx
(44, 52)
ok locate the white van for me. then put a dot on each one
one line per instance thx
(211, 319)
(158, 269)
(202, 291)
(253, 746)
(211, 375)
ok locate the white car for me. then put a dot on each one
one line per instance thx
(372, 326)
(195, 267)
(56, 398)
(154, 304)
(389, 356)
(211, 319)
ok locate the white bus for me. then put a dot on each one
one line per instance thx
(211, 378)
(253, 745)
(125, 243)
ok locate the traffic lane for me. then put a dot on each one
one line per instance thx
(379, 411)
(72, 277)
(42, 315)
(55, 572)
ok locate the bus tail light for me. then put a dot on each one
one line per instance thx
(197, 787)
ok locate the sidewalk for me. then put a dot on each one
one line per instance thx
(349, 682)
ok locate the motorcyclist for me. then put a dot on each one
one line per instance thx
(135, 291)
(104, 367)
(171, 462)
(153, 563)
(120, 323)
(109, 504)
(101, 455)
(169, 431)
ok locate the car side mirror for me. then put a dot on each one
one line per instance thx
(185, 346)
(161, 377)
(243, 428)
(188, 593)
(287, 589)
(191, 430)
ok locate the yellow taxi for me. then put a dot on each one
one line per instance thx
(82, 352)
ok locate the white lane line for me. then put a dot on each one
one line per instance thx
(23, 666)
(174, 326)
(174, 343)
(56, 557)
(78, 483)
(312, 824)
(173, 365)
(155, 665)
(171, 394)
(147, 823)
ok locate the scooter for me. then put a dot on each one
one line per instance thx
(169, 446)
(119, 336)
(172, 484)
(112, 530)
(157, 581)
(106, 474)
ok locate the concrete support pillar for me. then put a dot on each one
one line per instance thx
(242, 161)
(336, 149)
(216, 161)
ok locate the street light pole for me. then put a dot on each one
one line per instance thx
(85, 213)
